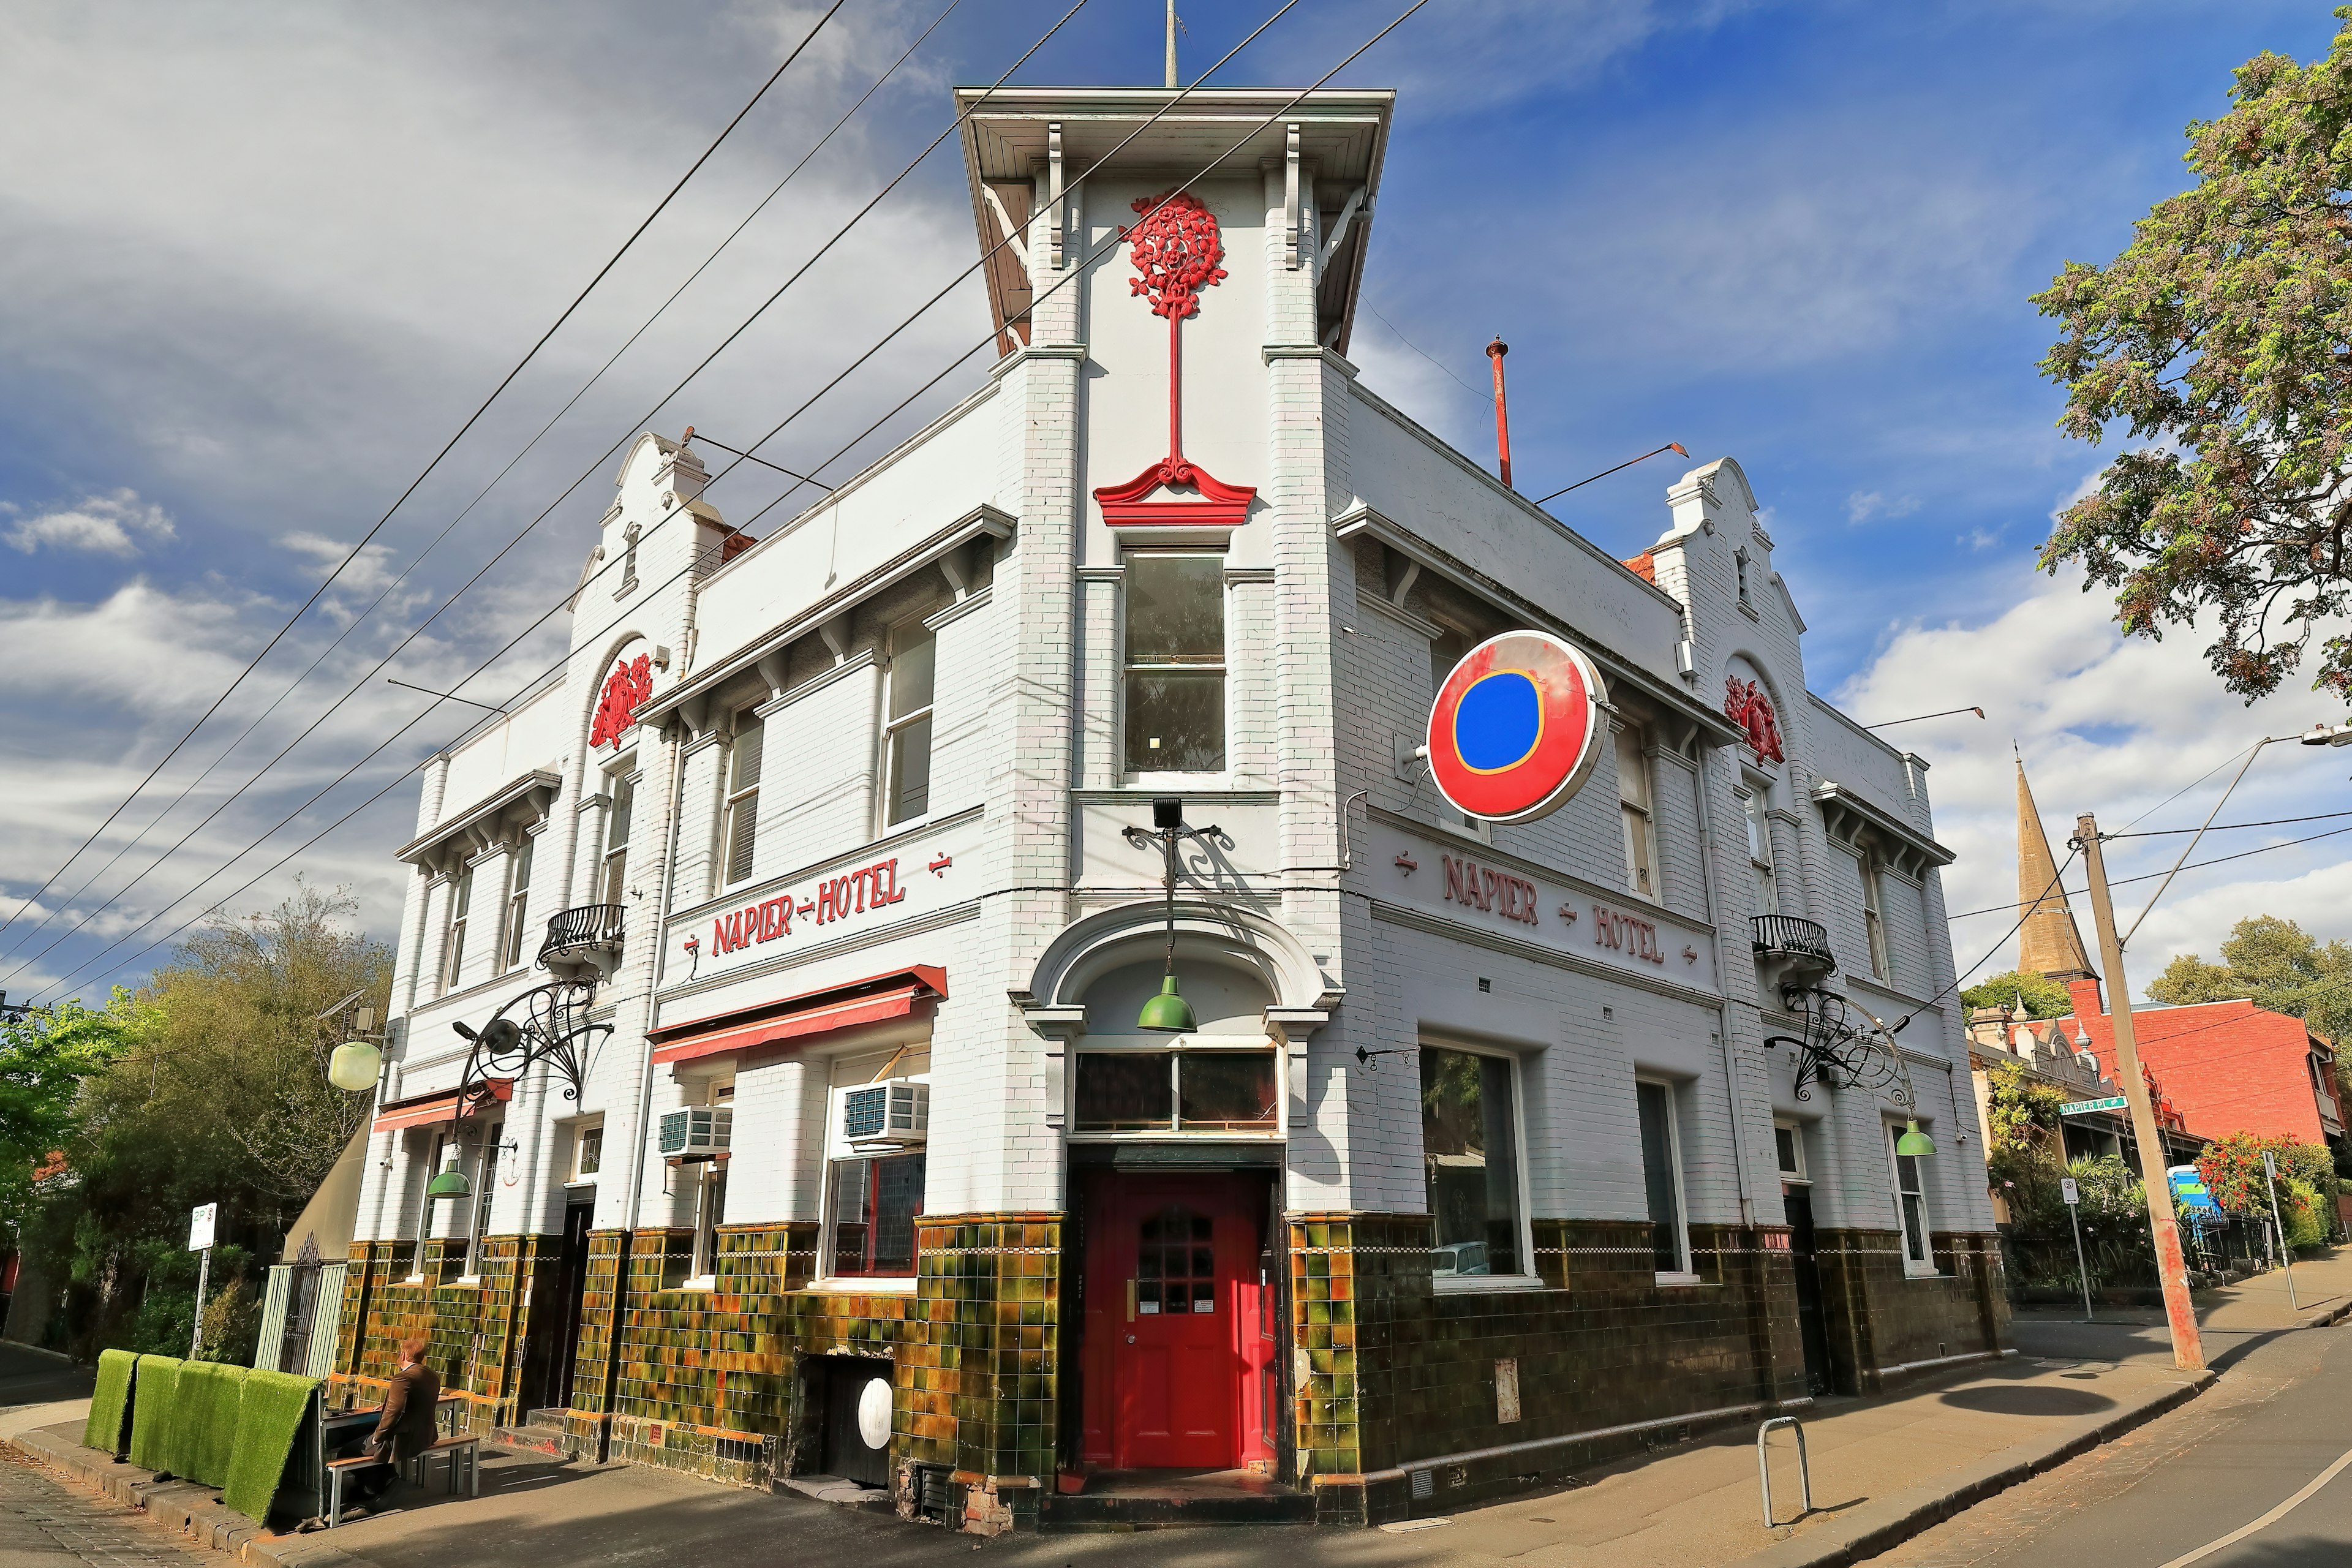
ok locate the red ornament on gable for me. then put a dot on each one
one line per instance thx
(1749, 708)
(625, 689)
(1176, 250)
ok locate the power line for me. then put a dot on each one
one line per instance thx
(1416, 348)
(446, 447)
(1989, 952)
(448, 601)
(2231, 826)
(2152, 876)
(1073, 273)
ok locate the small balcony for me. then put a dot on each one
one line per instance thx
(588, 937)
(1802, 944)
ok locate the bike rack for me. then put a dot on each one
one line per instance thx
(1764, 1472)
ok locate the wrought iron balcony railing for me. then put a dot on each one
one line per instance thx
(575, 935)
(1785, 936)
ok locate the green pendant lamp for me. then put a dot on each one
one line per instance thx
(450, 1184)
(1168, 1012)
(1913, 1143)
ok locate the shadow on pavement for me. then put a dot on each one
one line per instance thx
(2029, 1401)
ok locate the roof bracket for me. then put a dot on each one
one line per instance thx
(1358, 200)
(1290, 196)
(1055, 219)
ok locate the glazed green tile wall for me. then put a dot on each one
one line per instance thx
(475, 1330)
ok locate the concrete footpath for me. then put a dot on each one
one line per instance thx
(1882, 1469)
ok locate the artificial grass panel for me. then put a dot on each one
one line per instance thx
(109, 1401)
(268, 1416)
(204, 1421)
(153, 1397)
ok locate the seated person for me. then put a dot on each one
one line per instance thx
(406, 1428)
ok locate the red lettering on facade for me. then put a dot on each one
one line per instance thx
(866, 889)
(1484, 888)
(1626, 933)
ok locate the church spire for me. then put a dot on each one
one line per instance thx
(2049, 943)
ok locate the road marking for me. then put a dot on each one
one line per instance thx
(2280, 1512)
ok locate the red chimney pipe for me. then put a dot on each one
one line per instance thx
(1495, 351)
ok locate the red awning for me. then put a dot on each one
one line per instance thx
(876, 999)
(419, 1109)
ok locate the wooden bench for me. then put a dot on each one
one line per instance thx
(465, 1451)
(338, 1472)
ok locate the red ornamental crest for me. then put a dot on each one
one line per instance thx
(1749, 708)
(1176, 248)
(624, 690)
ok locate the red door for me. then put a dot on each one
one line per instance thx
(1173, 1286)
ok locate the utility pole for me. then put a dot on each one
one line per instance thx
(2172, 1270)
(1171, 43)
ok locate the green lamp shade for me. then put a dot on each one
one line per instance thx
(448, 1185)
(1914, 1143)
(1168, 1011)
(354, 1065)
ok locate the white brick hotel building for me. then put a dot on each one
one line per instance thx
(1477, 1147)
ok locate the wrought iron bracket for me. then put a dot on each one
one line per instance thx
(1840, 1050)
(554, 1031)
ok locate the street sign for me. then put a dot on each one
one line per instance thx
(200, 1227)
(2086, 1107)
(1516, 728)
(2069, 1191)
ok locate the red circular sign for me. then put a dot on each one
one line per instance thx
(1515, 730)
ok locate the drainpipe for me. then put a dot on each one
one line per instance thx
(1495, 351)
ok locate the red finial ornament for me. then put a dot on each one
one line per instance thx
(1176, 247)
(1749, 708)
(625, 689)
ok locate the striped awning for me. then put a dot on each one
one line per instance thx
(418, 1109)
(877, 999)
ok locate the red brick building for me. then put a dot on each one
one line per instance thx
(2227, 1067)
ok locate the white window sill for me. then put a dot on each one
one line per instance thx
(1676, 1277)
(1473, 1284)
(414, 1279)
(699, 1282)
(890, 1285)
(1921, 1270)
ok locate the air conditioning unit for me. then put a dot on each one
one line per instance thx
(886, 1116)
(698, 1132)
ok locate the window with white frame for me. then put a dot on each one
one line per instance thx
(1911, 1204)
(1445, 650)
(1192, 1084)
(485, 1180)
(873, 1191)
(613, 878)
(1635, 808)
(907, 724)
(1788, 1144)
(1874, 916)
(444, 1157)
(1470, 1158)
(1175, 671)
(518, 903)
(1661, 1177)
(587, 1150)
(1753, 804)
(706, 1182)
(739, 833)
(461, 902)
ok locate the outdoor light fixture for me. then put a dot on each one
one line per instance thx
(1914, 1143)
(354, 1065)
(451, 1184)
(2328, 735)
(1168, 1012)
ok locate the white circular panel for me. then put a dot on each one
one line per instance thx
(874, 1412)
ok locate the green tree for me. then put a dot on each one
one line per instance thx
(2276, 964)
(2231, 1168)
(45, 1058)
(2221, 339)
(2041, 997)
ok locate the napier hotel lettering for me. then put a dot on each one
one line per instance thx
(1484, 888)
(1626, 933)
(836, 898)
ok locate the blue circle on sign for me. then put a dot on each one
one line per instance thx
(1499, 721)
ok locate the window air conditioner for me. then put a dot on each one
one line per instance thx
(886, 1116)
(698, 1132)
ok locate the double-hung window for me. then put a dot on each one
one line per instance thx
(1175, 676)
(444, 1157)
(614, 879)
(1911, 1205)
(739, 829)
(873, 1194)
(486, 1181)
(453, 964)
(906, 725)
(587, 1150)
(1469, 1152)
(1634, 809)
(1661, 1179)
(518, 904)
(1752, 806)
(1873, 917)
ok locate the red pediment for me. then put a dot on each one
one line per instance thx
(1220, 505)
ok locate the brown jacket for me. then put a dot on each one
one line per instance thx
(406, 1428)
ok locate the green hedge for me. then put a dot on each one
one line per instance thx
(110, 1402)
(153, 1398)
(268, 1416)
(203, 1421)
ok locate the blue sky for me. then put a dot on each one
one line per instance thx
(264, 260)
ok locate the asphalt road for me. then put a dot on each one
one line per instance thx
(2175, 1491)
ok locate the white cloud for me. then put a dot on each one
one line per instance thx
(110, 524)
(1979, 538)
(1869, 506)
(2113, 727)
(369, 571)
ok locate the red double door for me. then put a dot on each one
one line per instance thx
(1180, 1336)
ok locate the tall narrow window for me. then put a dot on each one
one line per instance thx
(1739, 571)
(613, 884)
(461, 903)
(1633, 806)
(1175, 663)
(1873, 917)
(1469, 1151)
(444, 1156)
(518, 904)
(1911, 1200)
(874, 1201)
(486, 1182)
(906, 725)
(740, 834)
(710, 1213)
(1661, 1177)
(1759, 851)
(628, 560)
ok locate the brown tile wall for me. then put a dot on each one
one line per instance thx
(475, 1329)
(1879, 1318)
